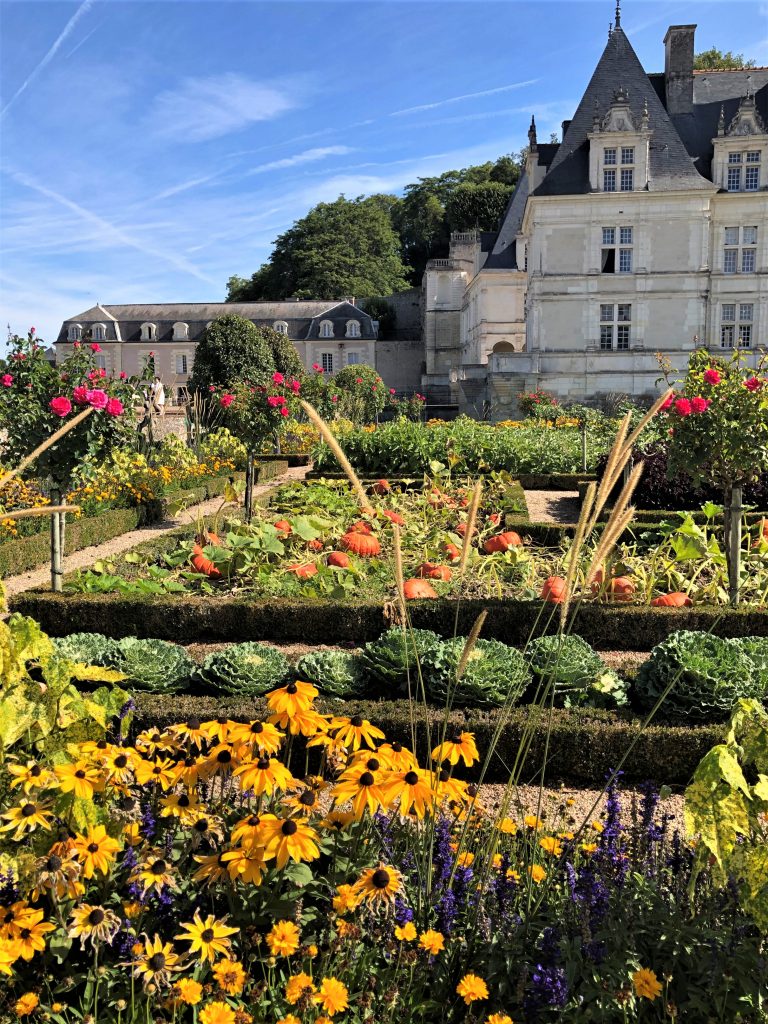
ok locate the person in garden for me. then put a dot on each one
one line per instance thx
(157, 393)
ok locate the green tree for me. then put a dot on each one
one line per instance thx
(379, 309)
(477, 206)
(716, 60)
(232, 349)
(284, 354)
(347, 247)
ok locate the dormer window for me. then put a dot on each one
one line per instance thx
(280, 326)
(180, 332)
(99, 332)
(75, 332)
(148, 332)
(353, 328)
(326, 329)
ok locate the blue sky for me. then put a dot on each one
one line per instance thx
(151, 150)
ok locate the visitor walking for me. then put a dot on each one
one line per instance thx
(158, 397)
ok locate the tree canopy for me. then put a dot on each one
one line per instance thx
(232, 349)
(716, 60)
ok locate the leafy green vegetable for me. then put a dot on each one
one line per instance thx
(568, 663)
(249, 669)
(155, 665)
(706, 676)
(395, 656)
(756, 649)
(91, 649)
(335, 673)
(494, 673)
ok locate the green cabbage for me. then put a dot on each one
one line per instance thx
(249, 670)
(335, 673)
(392, 658)
(568, 663)
(756, 649)
(494, 673)
(155, 665)
(91, 649)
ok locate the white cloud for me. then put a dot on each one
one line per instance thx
(466, 96)
(307, 157)
(207, 108)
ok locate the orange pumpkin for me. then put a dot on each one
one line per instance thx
(209, 537)
(202, 564)
(283, 527)
(494, 518)
(431, 571)
(360, 527)
(762, 535)
(461, 529)
(415, 589)
(339, 559)
(502, 542)
(393, 517)
(304, 570)
(363, 544)
(553, 590)
(451, 551)
(674, 600)
(618, 588)
(381, 487)
(315, 545)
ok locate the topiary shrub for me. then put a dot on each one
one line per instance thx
(706, 676)
(248, 669)
(568, 662)
(334, 673)
(396, 655)
(494, 674)
(155, 665)
(91, 649)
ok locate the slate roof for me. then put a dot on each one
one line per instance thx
(670, 165)
(303, 318)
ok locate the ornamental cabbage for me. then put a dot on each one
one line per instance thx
(395, 656)
(155, 665)
(568, 663)
(495, 674)
(335, 673)
(242, 670)
(91, 649)
(756, 649)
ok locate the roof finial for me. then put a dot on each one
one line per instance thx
(721, 121)
(618, 13)
(610, 29)
(532, 141)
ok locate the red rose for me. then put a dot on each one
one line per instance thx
(31, 330)
(115, 407)
(123, 375)
(226, 400)
(97, 398)
(80, 395)
(60, 406)
(284, 411)
(7, 380)
(278, 378)
(699, 404)
(753, 384)
(95, 347)
(712, 376)
(683, 407)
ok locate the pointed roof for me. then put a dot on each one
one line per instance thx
(670, 166)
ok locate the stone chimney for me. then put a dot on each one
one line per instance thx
(678, 68)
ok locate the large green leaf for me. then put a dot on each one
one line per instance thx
(718, 816)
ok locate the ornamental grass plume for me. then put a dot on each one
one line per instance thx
(327, 436)
(474, 504)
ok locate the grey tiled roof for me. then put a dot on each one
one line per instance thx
(504, 254)
(670, 165)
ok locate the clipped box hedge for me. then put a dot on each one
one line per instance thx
(584, 745)
(189, 619)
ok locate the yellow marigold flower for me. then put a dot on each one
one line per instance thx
(499, 1018)
(289, 1018)
(431, 941)
(533, 822)
(466, 859)
(537, 873)
(283, 938)
(217, 1012)
(406, 932)
(332, 996)
(551, 845)
(346, 899)
(296, 986)
(230, 976)
(597, 826)
(646, 984)
(588, 848)
(27, 1004)
(507, 826)
(471, 988)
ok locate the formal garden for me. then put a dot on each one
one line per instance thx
(370, 743)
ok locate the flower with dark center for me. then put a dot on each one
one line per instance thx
(289, 828)
(373, 764)
(307, 798)
(356, 721)
(28, 810)
(96, 916)
(158, 868)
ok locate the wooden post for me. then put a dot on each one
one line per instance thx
(57, 569)
(733, 512)
(249, 487)
(584, 446)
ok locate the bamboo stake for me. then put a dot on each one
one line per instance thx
(341, 458)
(399, 581)
(47, 510)
(29, 459)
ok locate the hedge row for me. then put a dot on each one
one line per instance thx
(529, 481)
(583, 745)
(188, 619)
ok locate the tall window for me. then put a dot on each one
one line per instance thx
(740, 250)
(353, 358)
(609, 180)
(326, 361)
(621, 261)
(744, 171)
(353, 328)
(627, 179)
(280, 326)
(736, 323)
(181, 364)
(326, 329)
(100, 361)
(615, 326)
(99, 332)
(74, 332)
(752, 171)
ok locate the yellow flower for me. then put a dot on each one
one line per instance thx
(647, 985)
(10, 951)
(465, 860)
(230, 976)
(471, 987)
(79, 778)
(378, 885)
(460, 747)
(96, 851)
(588, 848)
(507, 826)
(155, 961)
(537, 873)
(207, 938)
(289, 839)
(346, 899)
(406, 932)
(499, 1018)
(532, 822)
(296, 986)
(332, 996)
(432, 941)
(27, 1004)
(289, 1018)
(283, 939)
(551, 845)
(190, 992)
(597, 826)
(217, 1012)
(98, 924)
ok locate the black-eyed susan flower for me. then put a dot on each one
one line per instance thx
(58, 875)
(410, 792)
(217, 1012)
(161, 772)
(290, 840)
(29, 776)
(261, 736)
(187, 771)
(379, 885)
(10, 952)
(283, 938)
(332, 996)
(155, 961)
(396, 757)
(355, 731)
(154, 872)
(230, 976)
(25, 818)
(297, 986)
(206, 828)
(337, 820)
(250, 831)
(80, 778)
(364, 792)
(192, 732)
(93, 924)
(305, 803)
(118, 763)
(646, 984)
(96, 851)
(213, 868)
(460, 747)
(432, 942)
(31, 934)
(471, 988)
(207, 938)
(307, 722)
(245, 864)
(263, 776)
(221, 760)
(218, 729)
(184, 806)
(291, 699)
(449, 789)
(154, 741)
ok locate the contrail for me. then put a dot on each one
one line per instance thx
(81, 10)
(466, 96)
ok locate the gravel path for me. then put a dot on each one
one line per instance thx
(85, 558)
(552, 506)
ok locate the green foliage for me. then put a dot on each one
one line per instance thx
(361, 393)
(715, 60)
(284, 354)
(155, 665)
(90, 649)
(706, 676)
(494, 674)
(567, 663)
(347, 247)
(232, 349)
(756, 649)
(335, 673)
(394, 658)
(247, 669)
(479, 206)
(222, 444)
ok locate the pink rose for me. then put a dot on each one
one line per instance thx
(373, 387)
(392, 391)
(115, 407)
(317, 368)
(753, 384)
(358, 380)
(699, 404)
(80, 395)
(60, 406)
(226, 400)
(123, 375)
(273, 401)
(102, 372)
(667, 403)
(76, 344)
(284, 411)
(335, 398)
(31, 330)
(95, 347)
(683, 407)
(211, 387)
(278, 378)
(97, 398)
(7, 380)
(712, 376)
(295, 387)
